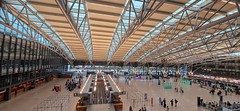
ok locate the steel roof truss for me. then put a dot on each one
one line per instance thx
(199, 28)
(135, 19)
(23, 30)
(164, 27)
(82, 30)
(213, 36)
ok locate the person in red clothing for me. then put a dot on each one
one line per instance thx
(151, 101)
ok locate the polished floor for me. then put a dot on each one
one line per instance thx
(42, 96)
(101, 107)
(187, 101)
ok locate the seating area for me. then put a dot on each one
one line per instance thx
(233, 107)
(219, 106)
(214, 106)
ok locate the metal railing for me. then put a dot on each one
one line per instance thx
(55, 102)
(135, 96)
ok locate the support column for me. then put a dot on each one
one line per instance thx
(44, 61)
(35, 59)
(156, 70)
(143, 69)
(28, 62)
(24, 60)
(8, 56)
(15, 53)
(148, 71)
(20, 57)
(178, 70)
(129, 70)
(8, 90)
(2, 51)
(7, 95)
(32, 61)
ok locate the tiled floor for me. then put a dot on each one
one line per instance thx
(38, 97)
(186, 101)
(101, 107)
(135, 91)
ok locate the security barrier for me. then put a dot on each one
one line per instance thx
(54, 103)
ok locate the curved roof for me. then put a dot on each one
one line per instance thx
(156, 31)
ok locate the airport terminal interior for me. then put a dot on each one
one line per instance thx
(119, 55)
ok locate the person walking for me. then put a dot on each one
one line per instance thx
(167, 108)
(144, 108)
(181, 90)
(130, 108)
(171, 102)
(225, 91)
(159, 100)
(176, 89)
(176, 101)
(164, 103)
(151, 101)
(164, 100)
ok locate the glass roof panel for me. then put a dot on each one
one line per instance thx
(23, 27)
(199, 4)
(82, 21)
(123, 24)
(167, 22)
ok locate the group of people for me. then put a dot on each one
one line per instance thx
(215, 106)
(128, 79)
(141, 109)
(224, 87)
(212, 91)
(181, 90)
(209, 105)
(219, 93)
(163, 103)
(71, 85)
(234, 105)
